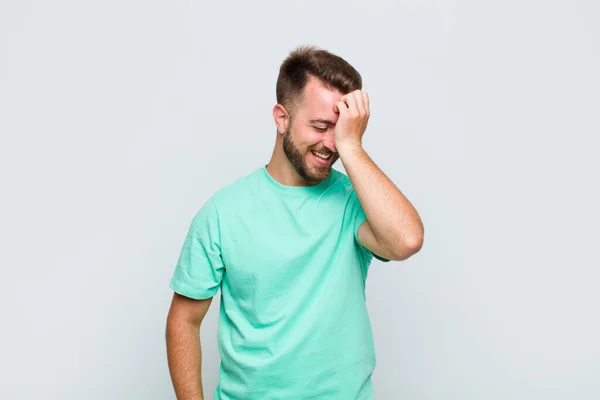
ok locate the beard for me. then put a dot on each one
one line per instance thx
(298, 160)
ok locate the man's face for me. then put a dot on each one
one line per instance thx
(308, 142)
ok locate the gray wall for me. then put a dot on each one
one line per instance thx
(119, 119)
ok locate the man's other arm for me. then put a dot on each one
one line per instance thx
(183, 345)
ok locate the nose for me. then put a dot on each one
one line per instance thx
(329, 141)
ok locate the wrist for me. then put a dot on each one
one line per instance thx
(348, 147)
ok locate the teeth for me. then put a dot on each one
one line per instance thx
(321, 155)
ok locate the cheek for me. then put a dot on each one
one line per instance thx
(306, 140)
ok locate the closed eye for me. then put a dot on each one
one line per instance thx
(320, 129)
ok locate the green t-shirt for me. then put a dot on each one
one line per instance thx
(293, 320)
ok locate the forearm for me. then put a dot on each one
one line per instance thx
(185, 359)
(393, 219)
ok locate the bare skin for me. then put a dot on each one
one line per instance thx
(183, 345)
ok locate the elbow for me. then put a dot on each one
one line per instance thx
(408, 247)
(416, 243)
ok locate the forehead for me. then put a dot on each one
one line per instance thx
(319, 100)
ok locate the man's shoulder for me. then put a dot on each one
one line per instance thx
(237, 190)
(341, 181)
(340, 177)
(247, 187)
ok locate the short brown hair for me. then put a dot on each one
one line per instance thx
(306, 61)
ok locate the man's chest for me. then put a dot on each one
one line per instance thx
(274, 252)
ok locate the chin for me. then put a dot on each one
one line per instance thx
(321, 173)
(312, 172)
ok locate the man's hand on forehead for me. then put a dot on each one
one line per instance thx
(354, 112)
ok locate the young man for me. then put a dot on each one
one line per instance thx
(289, 245)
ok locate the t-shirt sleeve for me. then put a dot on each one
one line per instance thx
(359, 217)
(199, 270)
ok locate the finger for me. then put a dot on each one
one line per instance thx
(366, 101)
(340, 107)
(360, 101)
(350, 99)
(344, 99)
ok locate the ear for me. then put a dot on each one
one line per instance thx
(281, 117)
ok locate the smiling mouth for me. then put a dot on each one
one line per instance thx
(322, 159)
(321, 156)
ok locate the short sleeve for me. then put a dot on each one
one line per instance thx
(359, 216)
(199, 270)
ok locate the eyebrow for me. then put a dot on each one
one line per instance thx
(323, 121)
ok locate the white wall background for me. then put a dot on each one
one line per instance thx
(119, 118)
